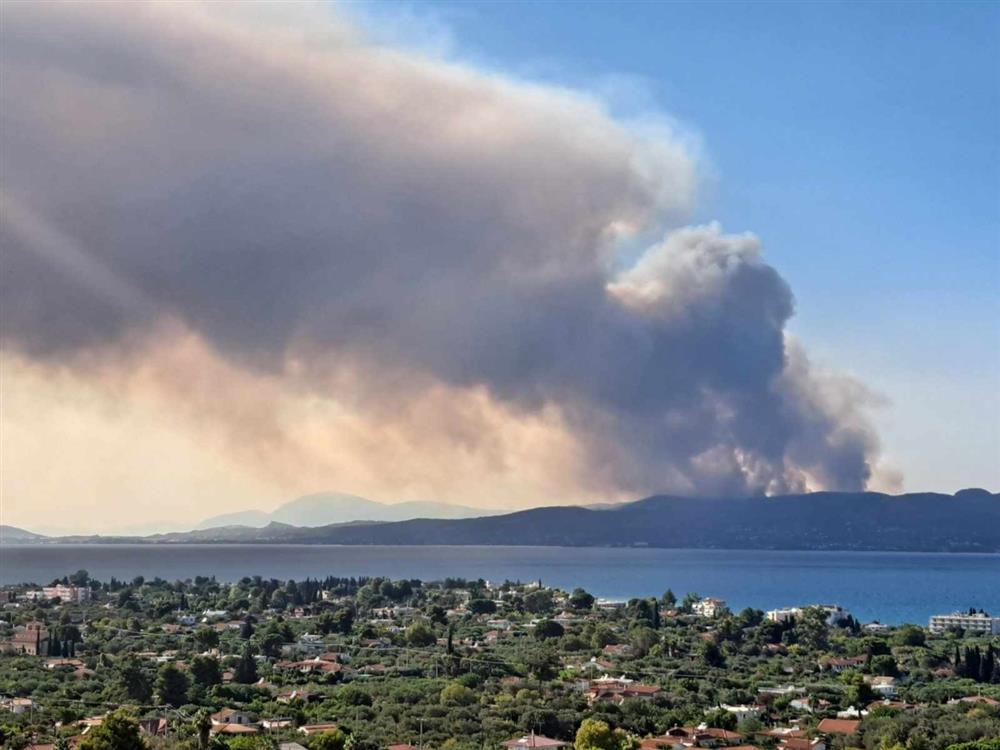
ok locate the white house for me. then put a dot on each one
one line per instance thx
(742, 711)
(709, 607)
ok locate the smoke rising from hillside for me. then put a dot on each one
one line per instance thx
(382, 256)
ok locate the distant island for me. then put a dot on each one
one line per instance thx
(968, 521)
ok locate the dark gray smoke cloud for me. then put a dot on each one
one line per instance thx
(288, 194)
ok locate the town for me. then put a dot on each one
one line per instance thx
(377, 664)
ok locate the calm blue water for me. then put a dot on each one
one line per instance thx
(889, 586)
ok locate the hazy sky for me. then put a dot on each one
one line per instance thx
(497, 254)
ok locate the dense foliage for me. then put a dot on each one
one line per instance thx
(460, 664)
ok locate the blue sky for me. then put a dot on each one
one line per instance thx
(859, 141)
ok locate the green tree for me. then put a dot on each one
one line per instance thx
(643, 638)
(118, 731)
(270, 644)
(539, 601)
(457, 694)
(246, 668)
(332, 740)
(811, 629)
(205, 671)
(420, 634)
(172, 685)
(712, 655)
(541, 662)
(547, 629)
(603, 636)
(206, 638)
(721, 718)
(482, 606)
(133, 681)
(595, 734)
(580, 599)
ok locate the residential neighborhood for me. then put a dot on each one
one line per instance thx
(371, 663)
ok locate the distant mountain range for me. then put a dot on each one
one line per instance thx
(968, 521)
(327, 508)
(14, 534)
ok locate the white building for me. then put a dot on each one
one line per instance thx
(978, 622)
(742, 712)
(834, 613)
(74, 594)
(709, 607)
(883, 686)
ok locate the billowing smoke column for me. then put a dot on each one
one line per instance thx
(307, 202)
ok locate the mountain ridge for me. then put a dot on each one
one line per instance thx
(326, 508)
(968, 521)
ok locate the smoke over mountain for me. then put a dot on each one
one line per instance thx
(318, 246)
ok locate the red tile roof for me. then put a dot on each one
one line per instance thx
(839, 726)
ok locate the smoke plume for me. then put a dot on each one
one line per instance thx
(381, 255)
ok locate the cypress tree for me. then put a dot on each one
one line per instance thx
(987, 667)
(246, 668)
(972, 661)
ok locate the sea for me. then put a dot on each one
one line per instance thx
(889, 587)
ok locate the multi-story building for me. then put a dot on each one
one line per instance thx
(709, 607)
(970, 622)
(75, 594)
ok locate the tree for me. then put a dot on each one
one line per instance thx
(270, 644)
(548, 629)
(80, 578)
(689, 600)
(332, 740)
(712, 655)
(482, 606)
(246, 668)
(205, 671)
(580, 599)
(909, 635)
(669, 599)
(538, 601)
(721, 718)
(603, 636)
(206, 638)
(811, 629)
(642, 639)
(457, 694)
(420, 634)
(118, 731)
(437, 614)
(203, 725)
(595, 734)
(172, 685)
(541, 662)
(884, 665)
(133, 681)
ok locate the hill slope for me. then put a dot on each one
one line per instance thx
(14, 534)
(327, 508)
(968, 521)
